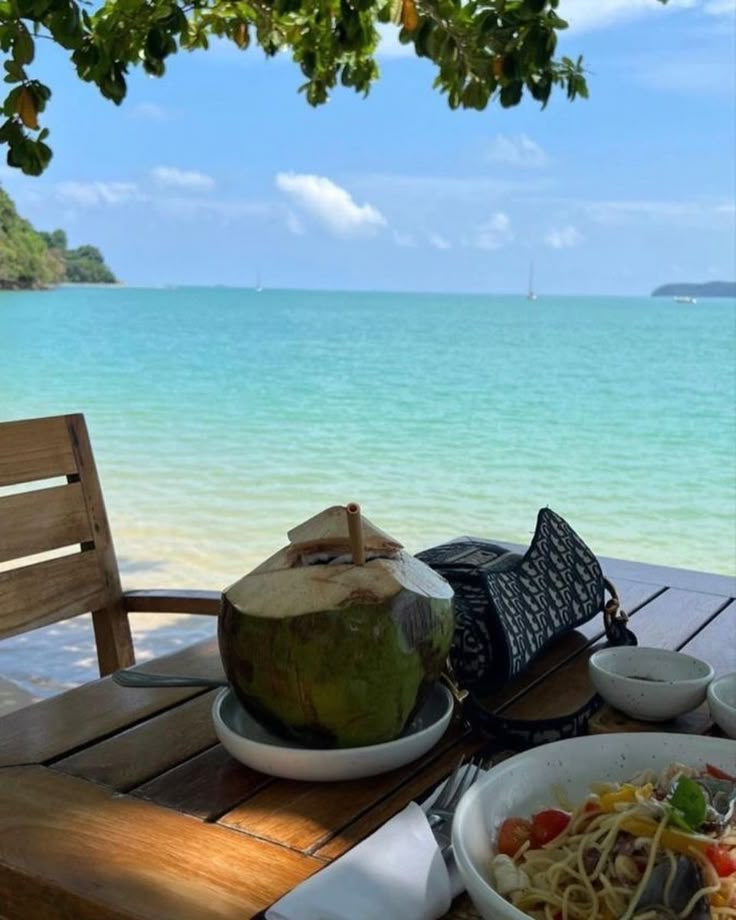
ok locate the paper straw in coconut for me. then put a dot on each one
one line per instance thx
(355, 531)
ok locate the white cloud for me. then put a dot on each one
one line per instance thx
(685, 213)
(330, 204)
(587, 15)
(94, 194)
(516, 151)
(439, 242)
(149, 110)
(564, 237)
(193, 181)
(494, 233)
(720, 7)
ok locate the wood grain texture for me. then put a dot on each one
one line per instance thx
(414, 788)
(148, 749)
(56, 726)
(306, 815)
(668, 622)
(36, 595)
(105, 856)
(716, 642)
(609, 720)
(49, 591)
(110, 620)
(683, 579)
(206, 786)
(165, 601)
(33, 449)
(42, 520)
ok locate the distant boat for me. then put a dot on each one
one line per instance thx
(683, 298)
(530, 295)
(259, 286)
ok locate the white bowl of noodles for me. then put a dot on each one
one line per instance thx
(555, 776)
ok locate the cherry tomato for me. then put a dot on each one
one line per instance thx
(722, 860)
(592, 806)
(718, 773)
(546, 825)
(513, 834)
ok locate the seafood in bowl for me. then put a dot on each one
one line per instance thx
(662, 845)
(615, 827)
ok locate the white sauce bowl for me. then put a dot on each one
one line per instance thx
(722, 702)
(651, 684)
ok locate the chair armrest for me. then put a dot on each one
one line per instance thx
(165, 601)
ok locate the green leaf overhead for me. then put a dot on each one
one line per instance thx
(485, 51)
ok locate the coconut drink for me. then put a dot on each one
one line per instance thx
(335, 640)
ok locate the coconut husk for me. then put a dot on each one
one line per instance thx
(325, 538)
(314, 571)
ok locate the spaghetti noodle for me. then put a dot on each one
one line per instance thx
(657, 848)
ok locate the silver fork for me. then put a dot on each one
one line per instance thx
(442, 810)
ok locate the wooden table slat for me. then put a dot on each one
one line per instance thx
(64, 723)
(137, 754)
(205, 786)
(413, 789)
(716, 642)
(305, 815)
(121, 857)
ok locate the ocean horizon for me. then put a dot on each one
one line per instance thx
(221, 417)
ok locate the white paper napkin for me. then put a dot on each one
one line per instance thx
(397, 872)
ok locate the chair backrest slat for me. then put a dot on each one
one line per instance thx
(35, 449)
(44, 520)
(46, 592)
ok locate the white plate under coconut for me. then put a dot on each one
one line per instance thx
(529, 782)
(252, 744)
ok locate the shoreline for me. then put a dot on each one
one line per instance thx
(63, 655)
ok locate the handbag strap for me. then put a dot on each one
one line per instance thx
(615, 619)
(525, 733)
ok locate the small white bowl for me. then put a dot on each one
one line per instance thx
(651, 684)
(722, 702)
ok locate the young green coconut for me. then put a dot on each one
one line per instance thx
(333, 641)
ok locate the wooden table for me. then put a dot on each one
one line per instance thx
(120, 803)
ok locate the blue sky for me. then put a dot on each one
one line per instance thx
(221, 171)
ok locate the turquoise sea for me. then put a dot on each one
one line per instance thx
(222, 417)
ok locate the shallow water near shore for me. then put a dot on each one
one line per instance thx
(221, 417)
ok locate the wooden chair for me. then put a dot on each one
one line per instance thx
(33, 593)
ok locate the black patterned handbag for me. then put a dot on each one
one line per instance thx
(509, 608)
